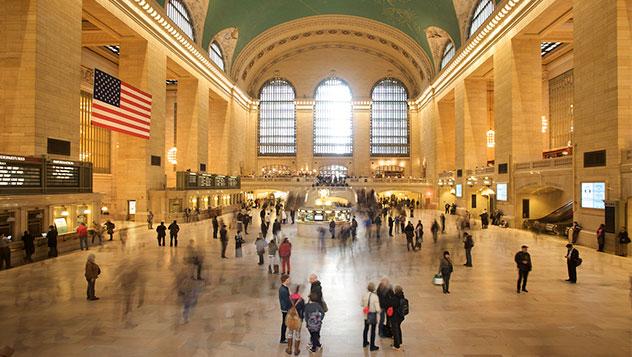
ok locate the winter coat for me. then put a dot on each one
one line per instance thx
(523, 261)
(272, 248)
(92, 270)
(161, 230)
(375, 302)
(284, 298)
(51, 237)
(261, 245)
(285, 249)
(445, 267)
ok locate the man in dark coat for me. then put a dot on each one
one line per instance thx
(223, 237)
(442, 223)
(285, 304)
(523, 261)
(390, 226)
(316, 287)
(468, 244)
(29, 246)
(572, 262)
(409, 230)
(173, 233)
(215, 223)
(51, 237)
(162, 233)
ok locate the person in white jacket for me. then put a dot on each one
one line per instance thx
(370, 307)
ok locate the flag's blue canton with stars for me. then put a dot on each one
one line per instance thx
(107, 88)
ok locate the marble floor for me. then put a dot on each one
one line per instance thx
(44, 311)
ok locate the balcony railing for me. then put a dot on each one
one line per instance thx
(557, 163)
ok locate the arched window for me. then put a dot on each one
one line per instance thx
(216, 55)
(389, 119)
(333, 118)
(277, 119)
(448, 53)
(483, 10)
(178, 13)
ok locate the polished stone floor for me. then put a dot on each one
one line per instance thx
(44, 311)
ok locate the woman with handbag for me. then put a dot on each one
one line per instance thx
(445, 268)
(370, 308)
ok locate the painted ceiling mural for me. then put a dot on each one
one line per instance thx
(252, 17)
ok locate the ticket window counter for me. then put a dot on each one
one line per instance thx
(84, 215)
(35, 222)
(7, 225)
(62, 220)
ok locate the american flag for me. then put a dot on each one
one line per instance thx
(118, 106)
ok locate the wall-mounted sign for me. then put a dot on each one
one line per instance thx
(131, 207)
(501, 191)
(593, 195)
(459, 190)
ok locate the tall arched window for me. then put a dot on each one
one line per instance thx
(389, 119)
(216, 55)
(333, 118)
(178, 13)
(484, 10)
(277, 119)
(448, 53)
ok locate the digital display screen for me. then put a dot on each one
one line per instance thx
(459, 190)
(501, 191)
(318, 217)
(593, 195)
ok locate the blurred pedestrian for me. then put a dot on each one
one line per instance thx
(29, 246)
(468, 244)
(371, 308)
(174, 228)
(150, 220)
(285, 251)
(273, 261)
(51, 238)
(446, 268)
(5, 252)
(161, 231)
(260, 245)
(223, 237)
(109, 227)
(239, 240)
(82, 232)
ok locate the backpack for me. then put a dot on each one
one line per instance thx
(314, 321)
(292, 320)
(403, 308)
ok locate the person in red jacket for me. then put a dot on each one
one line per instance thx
(285, 251)
(82, 232)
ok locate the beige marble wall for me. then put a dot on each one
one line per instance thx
(193, 106)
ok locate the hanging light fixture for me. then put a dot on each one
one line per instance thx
(491, 138)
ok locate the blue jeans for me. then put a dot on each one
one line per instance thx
(83, 241)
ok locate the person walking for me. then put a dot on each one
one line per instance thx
(5, 252)
(82, 232)
(435, 230)
(92, 273)
(285, 251)
(442, 217)
(523, 262)
(260, 245)
(239, 240)
(396, 224)
(397, 310)
(97, 230)
(409, 231)
(391, 222)
(332, 228)
(215, 224)
(378, 226)
(371, 308)
(294, 322)
(572, 262)
(51, 238)
(468, 244)
(223, 237)
(174, 228)
(484, 219)
(601, 237)
(29, 246)
(161, 231)
(419, 234)
(446, 268)
(285, 304)
(384, 292)
(624, 240)
(314, 314)
(276, 228)
(109, 227)
(150, 220)
(354, 228)
(273, 261)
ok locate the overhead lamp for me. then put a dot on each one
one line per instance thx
(87, 211)
(64, 212)
(104, 209)
(491, 138)
(440, 183)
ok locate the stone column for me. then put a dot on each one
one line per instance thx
(602, 108)
(142, 65)
(361, 141)
(518, 100)
(40, 75)
(305, 136)
(445, 135)
(192, 123)
(218, 128)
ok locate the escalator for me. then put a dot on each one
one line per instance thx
(556, 222)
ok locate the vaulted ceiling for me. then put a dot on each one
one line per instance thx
(253, 17)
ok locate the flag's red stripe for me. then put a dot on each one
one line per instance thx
(120, 130)
(139, 106)
(131, 87)
(133, 95)
(115, 112)
(105, 117)
(132, 110)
